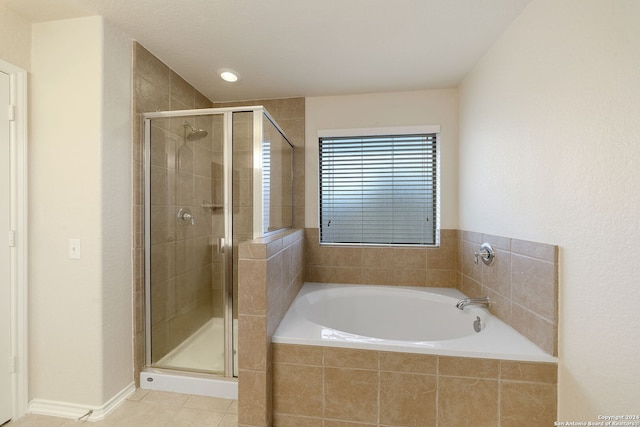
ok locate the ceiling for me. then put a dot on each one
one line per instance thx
(287, 48)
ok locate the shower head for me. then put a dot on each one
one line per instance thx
(194, 134)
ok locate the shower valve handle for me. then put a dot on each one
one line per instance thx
(185, 217)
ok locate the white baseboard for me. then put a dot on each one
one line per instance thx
(75, 411)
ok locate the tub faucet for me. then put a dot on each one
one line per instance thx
(473, 301)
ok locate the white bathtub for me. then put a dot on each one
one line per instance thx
(401, 319)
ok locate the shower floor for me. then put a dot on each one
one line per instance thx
(203, 351)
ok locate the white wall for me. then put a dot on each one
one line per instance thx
(15, 39)
(550, 152)
(117, 311)
(433, 107)
(80, 310)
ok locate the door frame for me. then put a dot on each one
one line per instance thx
(18, 218)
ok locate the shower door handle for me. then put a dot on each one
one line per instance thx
(220, 245)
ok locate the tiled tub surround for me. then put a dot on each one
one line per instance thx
(433, 267)
(336, 387)
(270, 272)
(522, 282)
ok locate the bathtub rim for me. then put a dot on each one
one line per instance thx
(511, 345)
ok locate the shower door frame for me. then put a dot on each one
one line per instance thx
(227, 247)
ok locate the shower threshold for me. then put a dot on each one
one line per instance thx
(199, 353)
(189, 383)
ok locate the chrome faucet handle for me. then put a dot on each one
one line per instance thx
(186, 217)
(486, 253)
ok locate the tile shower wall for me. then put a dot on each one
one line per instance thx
(326, 386)
(270, 276)
(522, 282)
(155, 88)
(182, 261)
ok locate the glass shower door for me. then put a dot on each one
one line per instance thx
(185, 232)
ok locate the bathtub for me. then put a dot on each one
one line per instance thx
(401, 319)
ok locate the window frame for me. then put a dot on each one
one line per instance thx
(384, 131)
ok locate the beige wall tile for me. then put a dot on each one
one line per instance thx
(350, 358)
(321, 274)
(300, 354)
(353, 275)
(534, 285)
(182, 90)
(535, 328)
(470, 287)
(380, 258)
(529, 371)
(497, 242)
(252, 342)
(500, 306)
(295, 421)
(248, 250)
(468, 367)
(333, 423)
(409, 277)
(469, 268)
(347, 257)
(377, 276)
(252, 398)
(541, 251)
(472, 237)
(497, 276)
(408, 362)
(467, 402)
(446, 256)
(297, 390)
(407, 399)
(527, 404)
(409, 258)
(253, 298)
(442, 278)
(351, 394)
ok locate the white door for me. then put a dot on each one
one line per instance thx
(6, 400)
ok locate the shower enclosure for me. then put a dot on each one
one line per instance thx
(213, 178)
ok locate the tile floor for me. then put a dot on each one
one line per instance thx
(148, 408)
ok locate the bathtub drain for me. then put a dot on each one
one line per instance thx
(476, 324)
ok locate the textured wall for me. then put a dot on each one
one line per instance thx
(550, 119)
(15, 39)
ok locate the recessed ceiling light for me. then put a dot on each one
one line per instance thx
(228, 75)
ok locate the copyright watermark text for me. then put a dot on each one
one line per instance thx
(604, 420)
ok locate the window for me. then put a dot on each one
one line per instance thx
(379, 189)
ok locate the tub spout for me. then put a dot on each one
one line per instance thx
(473, 301)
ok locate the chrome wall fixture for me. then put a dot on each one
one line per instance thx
(485, 253)
(185, 217)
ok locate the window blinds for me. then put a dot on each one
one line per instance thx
(379, 189)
